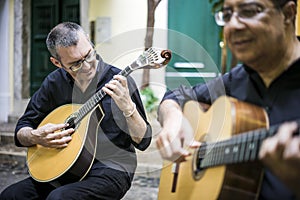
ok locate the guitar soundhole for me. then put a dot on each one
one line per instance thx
(198, 156)
(71, 121)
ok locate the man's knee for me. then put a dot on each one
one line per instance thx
(10, 193)
(58, 194)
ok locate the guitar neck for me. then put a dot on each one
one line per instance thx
(239, 148)
(97, 97)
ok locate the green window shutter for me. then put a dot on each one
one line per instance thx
(70, 11)
(45, 15)
(193, 37)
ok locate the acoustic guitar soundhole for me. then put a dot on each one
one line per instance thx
(71, 120)
(198, 156)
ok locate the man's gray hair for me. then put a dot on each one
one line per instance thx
(65, 34)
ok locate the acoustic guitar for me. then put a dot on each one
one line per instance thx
(226, 164)
(70, 164)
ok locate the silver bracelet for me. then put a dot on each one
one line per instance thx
(131, 112)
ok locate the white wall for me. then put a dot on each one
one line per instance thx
(5, 97)
(128, 19)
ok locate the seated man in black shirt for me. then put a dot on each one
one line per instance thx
(261, 34)
(80, 74)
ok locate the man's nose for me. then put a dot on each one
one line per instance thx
(86, 65)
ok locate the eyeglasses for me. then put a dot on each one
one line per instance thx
(246, 11)
(88, 58)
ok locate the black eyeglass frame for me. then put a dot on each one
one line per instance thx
(91, 55)
(245, 11)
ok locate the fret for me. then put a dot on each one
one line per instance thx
(256, 140)
(225, 152)
(236, 149)
(230, 153)
(97, 98)
(78, 117)
(126, 71)
(243, 146)
(200, 155)
(213, 154)
(207, 158)
(94, 99)
(101, 94)
(249, 146)
(91, 104)
(84, 109)
(219, 153)
(88, 106)
(222, 151)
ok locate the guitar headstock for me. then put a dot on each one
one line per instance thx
(152, 59)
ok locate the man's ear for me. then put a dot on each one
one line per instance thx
(55, 62)
(290, 11)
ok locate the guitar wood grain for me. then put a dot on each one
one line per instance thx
(226, 118)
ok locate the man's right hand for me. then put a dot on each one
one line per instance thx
(52, 135)
(176, 133)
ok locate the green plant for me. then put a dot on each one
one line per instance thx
(150, 101)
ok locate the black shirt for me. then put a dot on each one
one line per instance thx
(280, 100)
(114, 144)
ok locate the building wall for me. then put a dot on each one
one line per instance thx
(6, 57)
(120, 30)
(11, 55)
(20, 36)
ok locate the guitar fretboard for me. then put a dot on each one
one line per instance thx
(96, 98)
(239, 148)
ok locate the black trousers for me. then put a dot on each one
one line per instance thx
(101, 182)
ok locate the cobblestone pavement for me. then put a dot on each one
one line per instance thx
(144, 188)
(11, 172)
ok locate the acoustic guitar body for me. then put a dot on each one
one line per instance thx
(70, 164)
(225, 118)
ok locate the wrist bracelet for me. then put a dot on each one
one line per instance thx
(131, 112)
